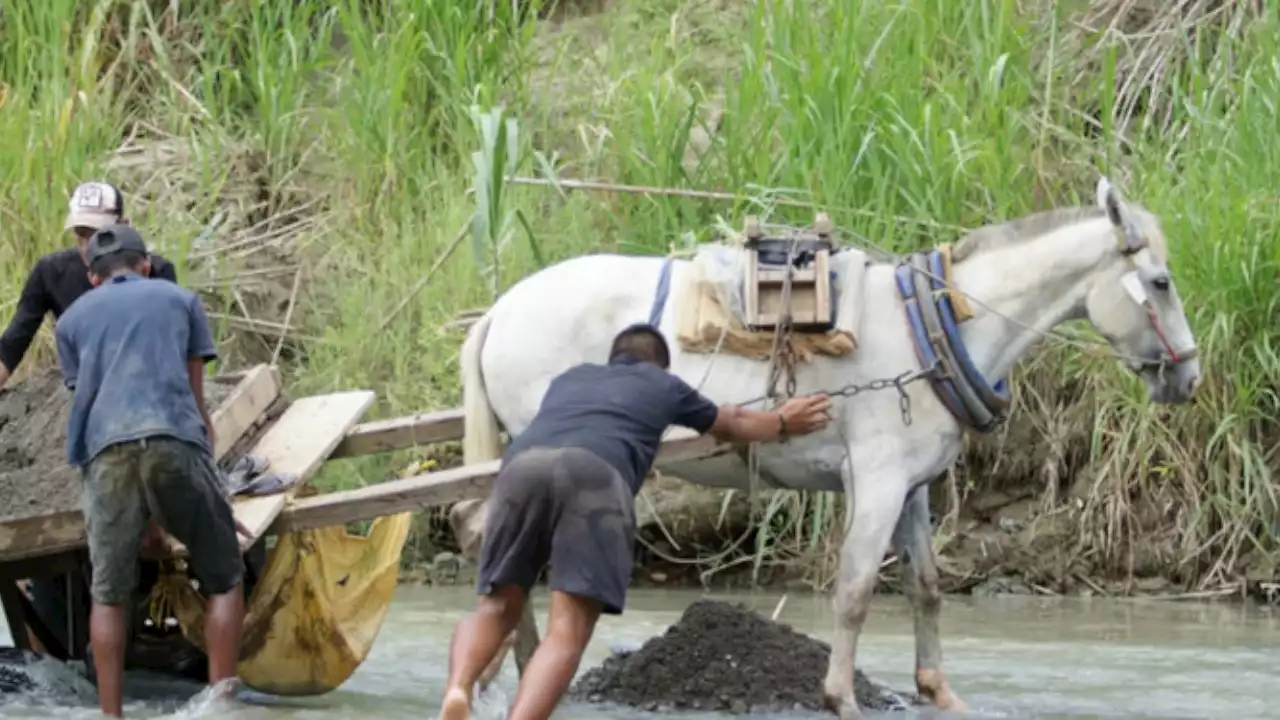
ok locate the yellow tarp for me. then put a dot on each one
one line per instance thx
(315, 612)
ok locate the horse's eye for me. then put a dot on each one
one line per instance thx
(1161, 283)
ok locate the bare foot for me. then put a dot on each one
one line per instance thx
(844, 709)
(456, 706)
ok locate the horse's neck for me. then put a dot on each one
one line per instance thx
(1025, 289)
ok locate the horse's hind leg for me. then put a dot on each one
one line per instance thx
(913, 541)
(874, 501)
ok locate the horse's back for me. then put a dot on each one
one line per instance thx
(558, 317)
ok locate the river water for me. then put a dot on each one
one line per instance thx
(1008, 657)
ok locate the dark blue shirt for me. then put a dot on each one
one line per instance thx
(618, 411)
(123, 348)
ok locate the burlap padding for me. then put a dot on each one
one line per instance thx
(701, 319)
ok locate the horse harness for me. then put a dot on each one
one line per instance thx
(1131, 241)
(923, 281)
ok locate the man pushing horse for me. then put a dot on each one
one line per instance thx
(565, 495)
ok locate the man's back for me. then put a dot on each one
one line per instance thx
(124, 348)
(617, 411)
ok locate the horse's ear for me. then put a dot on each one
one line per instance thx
(1109, 200)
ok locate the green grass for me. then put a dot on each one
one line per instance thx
(372, 129)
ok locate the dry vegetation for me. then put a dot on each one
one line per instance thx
(305, 163)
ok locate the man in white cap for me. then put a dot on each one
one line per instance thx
(61, 277)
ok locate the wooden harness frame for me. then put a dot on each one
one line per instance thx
(806, 257)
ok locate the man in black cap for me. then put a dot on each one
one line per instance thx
(566, 495)
(62, 276)
(133, 352)
(56, 281)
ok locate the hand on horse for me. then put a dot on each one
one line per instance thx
(805, 414)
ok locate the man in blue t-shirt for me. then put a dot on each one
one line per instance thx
(566, 495)
(133, 351)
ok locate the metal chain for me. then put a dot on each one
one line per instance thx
(783, 355)
(783, 359)
(899, 383)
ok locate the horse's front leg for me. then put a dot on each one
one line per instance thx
(913, 541)
(873, 499)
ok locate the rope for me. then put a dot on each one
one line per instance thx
(1049, 334)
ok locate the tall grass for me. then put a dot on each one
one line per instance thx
(904, 121)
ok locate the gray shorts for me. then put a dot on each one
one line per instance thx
(174, 483)
(566, 507)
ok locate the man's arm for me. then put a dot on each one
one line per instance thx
(200, 350)
(68, 357)
(797, 416)
(33, 304)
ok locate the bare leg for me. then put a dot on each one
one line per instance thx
(873, 508)
(475, 642)
(223, 621)
(467, 518)
(920, 583)
(107, 634)
(570, 622)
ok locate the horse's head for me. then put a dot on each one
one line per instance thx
(1135, 305)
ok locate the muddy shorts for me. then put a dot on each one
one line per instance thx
(173, 483)
(566, 507)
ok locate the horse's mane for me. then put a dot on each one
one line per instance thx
(1022, 229)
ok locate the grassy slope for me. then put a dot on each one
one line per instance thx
(902, 120)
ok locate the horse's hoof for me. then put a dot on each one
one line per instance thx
(933, 687)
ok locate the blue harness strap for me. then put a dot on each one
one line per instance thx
(903, 276)
(660, 297)
(957, 380)
(995, 397)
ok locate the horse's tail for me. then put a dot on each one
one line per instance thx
(481, 440)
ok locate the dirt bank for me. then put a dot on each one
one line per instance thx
(35, 478)
(727, 658)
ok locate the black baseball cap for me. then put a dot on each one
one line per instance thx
(113, 239)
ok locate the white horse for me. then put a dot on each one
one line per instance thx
(1106, 264)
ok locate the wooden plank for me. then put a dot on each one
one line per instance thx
(58, 532)
(299, 442)
(258, 389)
(49, 565)
(443, 487)
(14, 614)
(402, 432)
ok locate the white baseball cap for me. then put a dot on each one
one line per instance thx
(94, 205)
